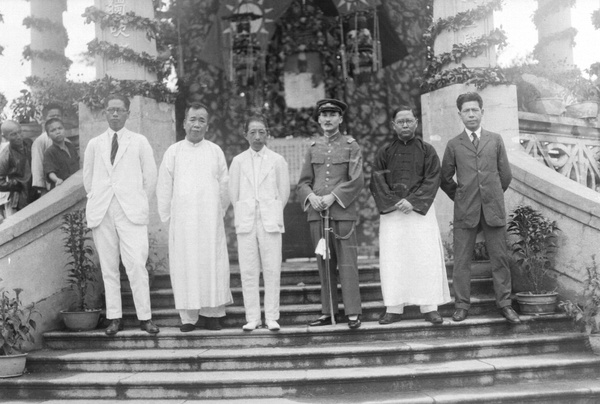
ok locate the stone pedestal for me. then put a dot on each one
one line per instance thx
(446, 39)
(154, 120)
(125, 37)
(50, 40)
(441, 123)
(559, 52)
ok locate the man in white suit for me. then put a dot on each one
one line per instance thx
(119, 175)
(259, 187)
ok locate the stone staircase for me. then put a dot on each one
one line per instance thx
(483, 359)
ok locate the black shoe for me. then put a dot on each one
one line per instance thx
(323, 320)
(201, 323)
(187, 327)
(434, 317)
(460, 314)
(354, 324)
(213, 323)
(114, 327)
(510, 315)
(149, 327)
(389, 318)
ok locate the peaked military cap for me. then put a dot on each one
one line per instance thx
(329, 104)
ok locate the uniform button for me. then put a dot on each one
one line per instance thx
(326, 179)
(327, 172)
(328, 165)
(326, 186)
(328, 151)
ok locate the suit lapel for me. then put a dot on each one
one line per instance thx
(266, 166)
(105, 148)
(465, 139)
(485, 138)
(123, 144)
(247, 168)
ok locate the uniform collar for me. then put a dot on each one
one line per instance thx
(333, 137)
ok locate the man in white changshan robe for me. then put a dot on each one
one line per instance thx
(192, 193)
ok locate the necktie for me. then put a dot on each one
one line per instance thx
(475, 140)
(114, 148)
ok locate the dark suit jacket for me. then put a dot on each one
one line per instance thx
(482, 177)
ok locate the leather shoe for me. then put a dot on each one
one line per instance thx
(114, 327)
(510, 315)
(149, 327)
(251, 325)
(460, 314)
(187, 327)
(273, 325)
(434, 317)
(213, 323)
(201, 323)
(389, 318)
(323, 320)
(354, 324)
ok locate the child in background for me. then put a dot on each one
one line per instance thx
(61, 159)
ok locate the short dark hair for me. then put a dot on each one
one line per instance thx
(404, 107)
(51, 121)
(50, 106)
(196, 105)
(256, 118)
(116, 96)
(466, 97)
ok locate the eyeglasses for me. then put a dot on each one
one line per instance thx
(117, 110)
(403, 122)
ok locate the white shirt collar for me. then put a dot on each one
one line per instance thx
(119, 133)
(477, 132)
(260, 153)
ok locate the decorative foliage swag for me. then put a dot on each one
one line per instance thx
(129, 20)
(113, 52)
(459, 51)
(1, 47)
(596, 19)
(549, 8)
(480, 77)
(460, 20)
(46, 54)
(46, 25)
(568, 33)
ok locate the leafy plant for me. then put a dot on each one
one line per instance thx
(82, 269)
(480, 252)
(24, 108)
(587, 315)
(535, 245)
(16, 322)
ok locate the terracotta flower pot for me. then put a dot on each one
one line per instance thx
(81, 320)
(537, 304)
(12, 365)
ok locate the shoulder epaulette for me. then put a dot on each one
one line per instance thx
(314, 142)
(350, 140)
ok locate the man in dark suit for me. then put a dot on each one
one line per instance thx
(478, 157)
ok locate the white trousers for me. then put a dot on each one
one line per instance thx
(117, 235)
(260, 249)
(191, 316)
(399, 309)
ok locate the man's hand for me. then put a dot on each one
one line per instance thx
(59, 181)
(328, 200)
(316, 202)
(404, 206)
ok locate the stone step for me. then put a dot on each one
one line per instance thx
(381, 353)
(304, 313)
(305, 294)
(306, 272)
(403, 331)
(584, 391)
(303, 383)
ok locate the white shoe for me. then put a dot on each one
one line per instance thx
(251, 325)
(272, 325)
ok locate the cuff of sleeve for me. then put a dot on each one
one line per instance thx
(306, 203)
(338, 200)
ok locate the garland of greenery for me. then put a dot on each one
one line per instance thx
(460, 20)
(549, 8)
(46, 54)
(113, 52)
(129, 20)
(46, 25)
(480, 77)
(596, 19)
(568, 33)
(459, 51)
(1, 47)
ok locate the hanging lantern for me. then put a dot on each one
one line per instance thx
(361, 52)
(246, 61)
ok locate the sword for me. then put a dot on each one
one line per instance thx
(326, 230)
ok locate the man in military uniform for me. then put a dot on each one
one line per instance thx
(330, 182)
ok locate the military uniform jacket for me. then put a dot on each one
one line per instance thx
(482, 177)
(332, 165)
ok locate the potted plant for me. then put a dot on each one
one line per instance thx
(24, 111)
(82, 271)
(16, 329)
(586, 96)
(534, 249)
(586, 314)
(480, 264)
